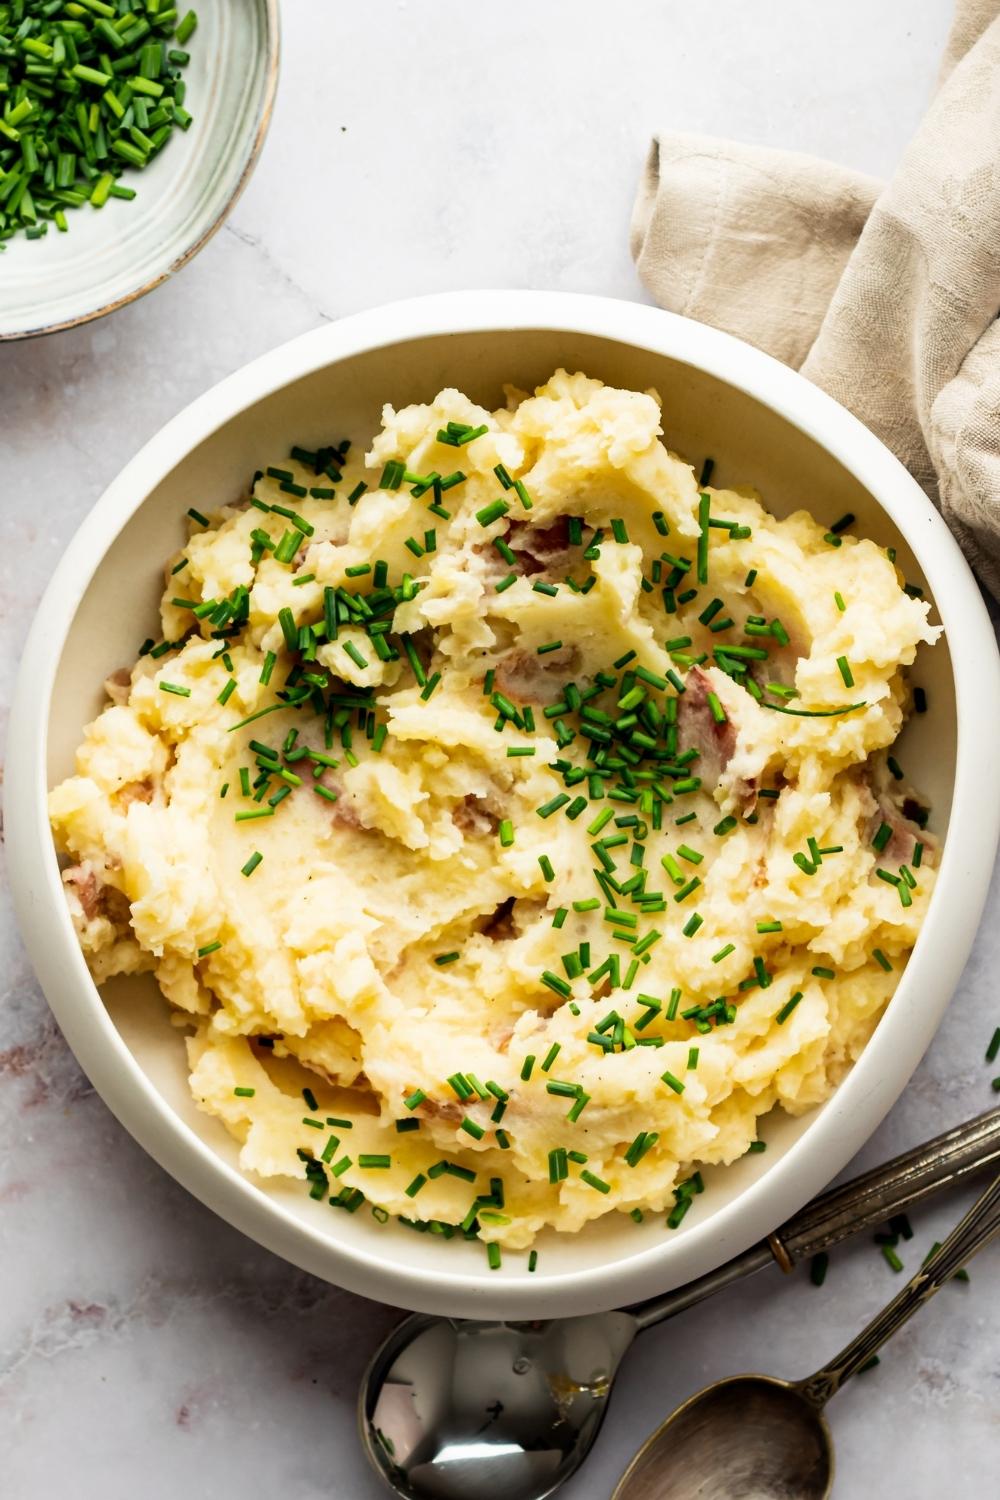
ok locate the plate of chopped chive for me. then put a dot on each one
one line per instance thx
(128, 129)
(558, 1097)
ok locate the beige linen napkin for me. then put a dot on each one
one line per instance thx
(886, 296)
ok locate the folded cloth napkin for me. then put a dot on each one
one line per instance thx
(886, 296)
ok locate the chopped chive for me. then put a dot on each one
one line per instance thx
(492, 512)
(787, 1008)
(891, 1257)
(592, 1180)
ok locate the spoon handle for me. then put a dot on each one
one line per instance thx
(867, 1201)
(980, 1225)
(863, 1203)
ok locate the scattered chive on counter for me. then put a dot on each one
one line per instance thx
(90, 89)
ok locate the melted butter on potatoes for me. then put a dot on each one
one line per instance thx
(579, 841)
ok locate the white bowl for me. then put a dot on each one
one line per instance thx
(110, 257)
(763, 424)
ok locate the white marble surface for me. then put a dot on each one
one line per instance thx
(145, 1348)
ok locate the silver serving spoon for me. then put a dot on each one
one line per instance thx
(451, 1408)
(753, 1437)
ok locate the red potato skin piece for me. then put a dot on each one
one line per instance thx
(83, 881)
(473, 816)
(697, 729)
(527, 677)
(540, 546)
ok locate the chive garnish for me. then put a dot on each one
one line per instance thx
(787, 1008)
(812, 713)
(845, 671)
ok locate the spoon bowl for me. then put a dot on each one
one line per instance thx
(506, 1410)
(748, 1438)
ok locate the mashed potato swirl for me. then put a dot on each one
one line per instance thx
(510, 822)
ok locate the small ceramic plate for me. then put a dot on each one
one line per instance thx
(111, 256)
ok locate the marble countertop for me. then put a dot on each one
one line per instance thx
(146, 1348)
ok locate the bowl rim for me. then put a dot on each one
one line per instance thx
(837, 1129)
(265, 111)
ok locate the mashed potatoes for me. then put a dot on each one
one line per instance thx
(513, 827)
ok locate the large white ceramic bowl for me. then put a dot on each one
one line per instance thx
(111, 256)
(762, 423)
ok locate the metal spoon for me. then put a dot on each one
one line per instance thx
(757, 1438)
(453, 1408)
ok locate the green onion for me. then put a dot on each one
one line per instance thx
(252, 863)
(242, 1093)
(672, 1082)
(72, 91)
(787, 1008)
(892, 1258)
(595, 1182)
(704, 505)
(492, 512)
(812, 713)
(845, 671)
